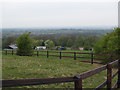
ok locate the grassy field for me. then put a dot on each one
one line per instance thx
(19, 67)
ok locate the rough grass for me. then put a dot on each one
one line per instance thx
(19, 67)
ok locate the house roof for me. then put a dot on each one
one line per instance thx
(13, 46)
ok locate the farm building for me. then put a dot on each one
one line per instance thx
(81, 48)
(40, 47)
(12, 46)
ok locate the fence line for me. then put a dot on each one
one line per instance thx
(74, 55)
(77, 79)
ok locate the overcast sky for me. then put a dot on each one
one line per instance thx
(34, 13)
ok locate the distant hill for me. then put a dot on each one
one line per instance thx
(83, 31)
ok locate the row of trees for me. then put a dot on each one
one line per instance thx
(74, 42)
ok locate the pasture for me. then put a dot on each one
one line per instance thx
(20, 67)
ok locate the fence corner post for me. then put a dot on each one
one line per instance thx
(118, 83)
(109, 76)
(78, 82)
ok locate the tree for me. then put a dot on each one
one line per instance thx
(89, 42)
(78, 43)
(24, 44)
(38, 42)
(49, 44)
(69, 43)
(109, 44)
(62, 41)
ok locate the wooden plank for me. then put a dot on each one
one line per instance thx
(101, 85)
(114, 74)
(67, 52)
(115, 85)
(28, 82)
(82, 53)
(42, 51)
(84, 57)
(92, 72)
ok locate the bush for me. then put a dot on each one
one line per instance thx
(24, 44)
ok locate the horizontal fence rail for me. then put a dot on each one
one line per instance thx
(77, 79)
(92, 72)
(28, 82)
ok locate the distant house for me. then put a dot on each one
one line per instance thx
(81, 49)
(40, 47)
(12, 46)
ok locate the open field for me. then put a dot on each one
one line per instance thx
(18, 67)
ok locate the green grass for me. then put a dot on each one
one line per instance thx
(20, 67)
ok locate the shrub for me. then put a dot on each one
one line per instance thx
(24, 44)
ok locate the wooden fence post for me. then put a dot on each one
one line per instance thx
(109, 76)
(60, 55)
(47, 54)
(78, 83)
(118, 83)
(12, 51)
(37, 53)
(91, 58)
(74, 55)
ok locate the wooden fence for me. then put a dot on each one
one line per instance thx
(73, 55)
(77, 79)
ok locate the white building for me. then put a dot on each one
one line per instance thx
(40, 47)
(81, 48)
